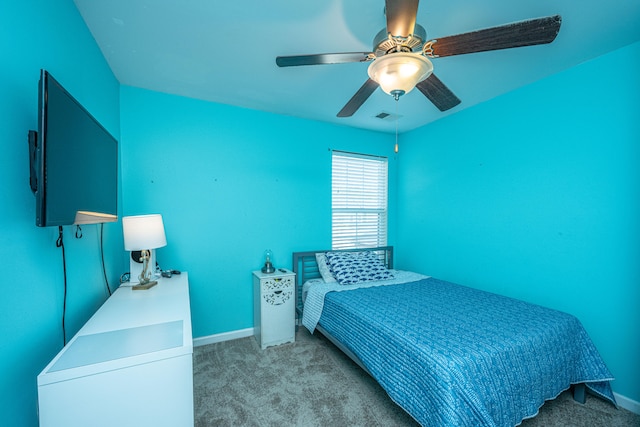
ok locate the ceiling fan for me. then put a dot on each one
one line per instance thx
(400, 57)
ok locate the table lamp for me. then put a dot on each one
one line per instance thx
(268, 266)
(144, 233)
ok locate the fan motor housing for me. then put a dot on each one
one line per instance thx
(384, 43)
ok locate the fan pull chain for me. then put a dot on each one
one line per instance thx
(395, 149)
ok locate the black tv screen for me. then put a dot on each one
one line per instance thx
(74, 161)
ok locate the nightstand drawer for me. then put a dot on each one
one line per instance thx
(277, 296)
(273, 284)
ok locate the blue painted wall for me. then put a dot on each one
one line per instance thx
(51, 35)
(536, 195)
(230, 183)
(538, 202)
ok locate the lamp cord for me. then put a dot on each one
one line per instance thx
(60, 244)
(104, 270)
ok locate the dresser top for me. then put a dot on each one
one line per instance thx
(131, 327)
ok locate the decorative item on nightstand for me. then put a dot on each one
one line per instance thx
(268, 266)
(144, 233)
(274, 317)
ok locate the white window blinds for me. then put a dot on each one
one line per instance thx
(358, 201)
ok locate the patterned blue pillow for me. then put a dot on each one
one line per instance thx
(356, 267)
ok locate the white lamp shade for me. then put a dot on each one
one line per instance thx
(143, 232)
(400, 71)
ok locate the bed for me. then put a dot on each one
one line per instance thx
(445, 353)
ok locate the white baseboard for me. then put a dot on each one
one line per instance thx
(225, 336)
(628, 404)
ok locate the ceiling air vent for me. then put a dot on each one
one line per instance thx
(388, 117)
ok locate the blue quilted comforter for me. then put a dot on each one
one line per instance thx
(456, 356)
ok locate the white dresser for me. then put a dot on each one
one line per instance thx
(274, 317)
(130, 364)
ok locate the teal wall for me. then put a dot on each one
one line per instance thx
(536, 195)
(230, 183)
(50, 35)
(538, 202)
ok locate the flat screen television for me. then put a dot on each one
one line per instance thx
(73, 161)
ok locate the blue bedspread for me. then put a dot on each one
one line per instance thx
(453, 355)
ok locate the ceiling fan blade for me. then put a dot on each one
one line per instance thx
(324, 58)
(517, 34)
(438, 93)
(359, 98)
(401, 17)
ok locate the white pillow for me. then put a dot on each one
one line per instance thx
(321, 259)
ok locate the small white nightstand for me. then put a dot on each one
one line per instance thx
(274, 315)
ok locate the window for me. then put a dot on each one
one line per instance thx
(358, 201)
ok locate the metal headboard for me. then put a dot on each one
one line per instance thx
(306, 267)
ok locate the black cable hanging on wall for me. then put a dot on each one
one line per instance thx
(104, 270)
(60, 244)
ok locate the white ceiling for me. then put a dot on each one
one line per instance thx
(224, 51)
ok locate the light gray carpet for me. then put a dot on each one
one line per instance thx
(312, 383)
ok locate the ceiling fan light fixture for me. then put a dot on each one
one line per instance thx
(398, 73)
